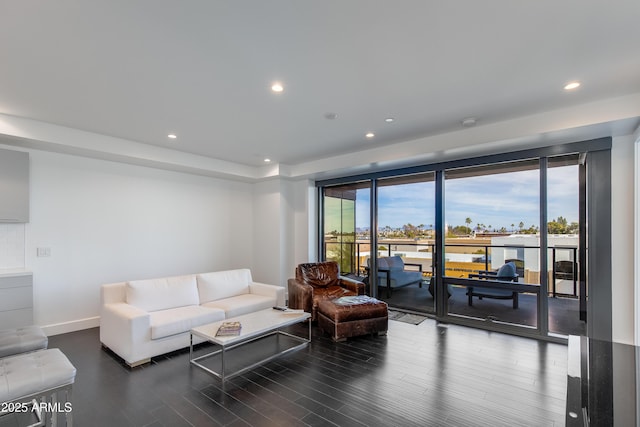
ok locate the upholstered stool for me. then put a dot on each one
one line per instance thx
(35, 379)
(22, 340)
(352, 316)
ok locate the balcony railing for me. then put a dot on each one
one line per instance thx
(353, 259)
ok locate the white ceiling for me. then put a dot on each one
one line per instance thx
(140, 70)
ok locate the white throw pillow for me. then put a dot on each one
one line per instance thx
(223, 284)
(164, 293)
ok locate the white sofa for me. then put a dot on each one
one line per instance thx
(144, 318)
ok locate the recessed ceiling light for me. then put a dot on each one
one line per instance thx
(267, 160)
(389, 120)
(572, 85)
(172, 136)
(370, 135)
(277, 87)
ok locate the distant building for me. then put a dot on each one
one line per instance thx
(525, 247)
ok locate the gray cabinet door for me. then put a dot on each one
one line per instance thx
(14, 186)
(16, 301)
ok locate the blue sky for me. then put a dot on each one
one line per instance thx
(496, 200)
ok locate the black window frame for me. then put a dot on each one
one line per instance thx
(596, 182)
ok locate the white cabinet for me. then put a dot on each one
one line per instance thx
(14, 186)
(16, 300)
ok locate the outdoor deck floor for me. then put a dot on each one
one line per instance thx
(563, 312)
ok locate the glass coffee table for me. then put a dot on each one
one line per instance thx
(255, 326)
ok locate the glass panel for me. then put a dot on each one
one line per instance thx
(346, 227)
(406, 220)
(492, 218)
(564, 239)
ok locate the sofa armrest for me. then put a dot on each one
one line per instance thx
(300, 295)
(122, 327)
(276, 292)
(352, 284)
(113, 293)
(126, 313)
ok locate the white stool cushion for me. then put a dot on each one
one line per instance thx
(22, 340)
(31, 373)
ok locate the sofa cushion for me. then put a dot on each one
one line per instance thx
(492, 291)
(402, 278)
(243, 304)
(507, 270)
(178, 320)
(385, 263)
(161, 294)
(223, 284)
(395, 263)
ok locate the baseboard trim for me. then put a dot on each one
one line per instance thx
(71, 326)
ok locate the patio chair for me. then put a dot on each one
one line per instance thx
(392, 272)
(506, 273)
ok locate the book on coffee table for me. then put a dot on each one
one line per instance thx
(228, 329)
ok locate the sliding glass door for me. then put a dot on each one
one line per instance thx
(563, 228)
(405, 241)
(492, 216)
(499, 242)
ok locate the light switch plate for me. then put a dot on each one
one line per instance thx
(44, 252)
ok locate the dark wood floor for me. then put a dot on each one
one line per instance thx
(425, 375)
(564, 316)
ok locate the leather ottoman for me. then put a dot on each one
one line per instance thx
(352, 316)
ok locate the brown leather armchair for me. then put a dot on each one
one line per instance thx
(319, 281)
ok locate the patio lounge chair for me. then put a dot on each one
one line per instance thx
(391, 271)
(506, 273)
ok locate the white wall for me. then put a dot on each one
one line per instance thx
(305, 213)
(267, 238)
(287, 230)
(12, 245)
(108, 222)
(622, 239)
(284, 228)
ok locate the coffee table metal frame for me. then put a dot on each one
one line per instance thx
(254, 326)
